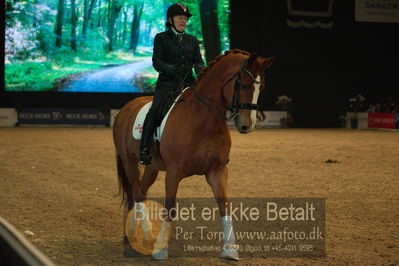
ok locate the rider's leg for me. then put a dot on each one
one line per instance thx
(150, 124)
(146, 136)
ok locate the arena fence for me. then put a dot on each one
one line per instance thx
(15, 249)
(362, 120)
(100, 117)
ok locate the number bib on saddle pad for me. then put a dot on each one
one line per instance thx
(139, 122)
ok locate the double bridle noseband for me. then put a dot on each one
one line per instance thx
(235, 104)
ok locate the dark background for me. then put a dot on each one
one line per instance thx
(318, 68)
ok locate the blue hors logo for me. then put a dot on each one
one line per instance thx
(57, 116)
(63, 116)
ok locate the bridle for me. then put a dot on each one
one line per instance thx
(235, 103)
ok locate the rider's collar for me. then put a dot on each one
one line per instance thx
(176, 32)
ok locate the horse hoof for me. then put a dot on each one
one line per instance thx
(230, 253)
(160, 254)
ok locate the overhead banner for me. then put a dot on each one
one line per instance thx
(310, 14)
(63, 117)
(377, 11)
(381, 120)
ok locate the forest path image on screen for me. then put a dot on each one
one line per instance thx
(111, 79)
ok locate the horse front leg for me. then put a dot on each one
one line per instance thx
(217, 179)
(161, 246)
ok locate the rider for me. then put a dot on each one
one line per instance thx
(176, 53)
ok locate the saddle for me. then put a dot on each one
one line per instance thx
(167, 105)
(163, 115)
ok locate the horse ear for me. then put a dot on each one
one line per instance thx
(252, 59)
(267, 62)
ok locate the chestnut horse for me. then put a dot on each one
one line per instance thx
(195, 140)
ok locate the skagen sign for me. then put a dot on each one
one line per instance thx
(377, 11)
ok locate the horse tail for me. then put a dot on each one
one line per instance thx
(122, 178)
(128, 185)
(125, 187)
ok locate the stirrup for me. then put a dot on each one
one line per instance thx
(145, 157)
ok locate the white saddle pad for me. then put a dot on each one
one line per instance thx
(138, 123)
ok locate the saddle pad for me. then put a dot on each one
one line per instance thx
(139, 122)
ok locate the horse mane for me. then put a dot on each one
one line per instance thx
(217, 59)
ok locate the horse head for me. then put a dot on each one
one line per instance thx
(242, 95)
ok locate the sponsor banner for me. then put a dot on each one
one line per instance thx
(8, 117)
(255, 228)
(397, 121)
(362, 117)
(63, 117)
(377, 11)
(381, 120)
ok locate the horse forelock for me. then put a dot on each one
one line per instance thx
(217, 59)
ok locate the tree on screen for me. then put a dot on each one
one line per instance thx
(115, 9)
(134, 34)
(87, 13)
(210, 28)
(58, 24)
(73, 25)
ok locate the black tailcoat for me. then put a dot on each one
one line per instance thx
(173, 58)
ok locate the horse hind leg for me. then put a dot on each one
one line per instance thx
(136, 189)
(126, 192)
(149, 177)
(141, 215)
(140, 218)
(129, 186)
(141, 211)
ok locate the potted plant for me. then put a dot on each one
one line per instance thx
(285, 104)
(355, 104)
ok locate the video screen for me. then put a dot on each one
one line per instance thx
(93, 45)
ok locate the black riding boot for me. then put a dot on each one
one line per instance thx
(146, 137)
